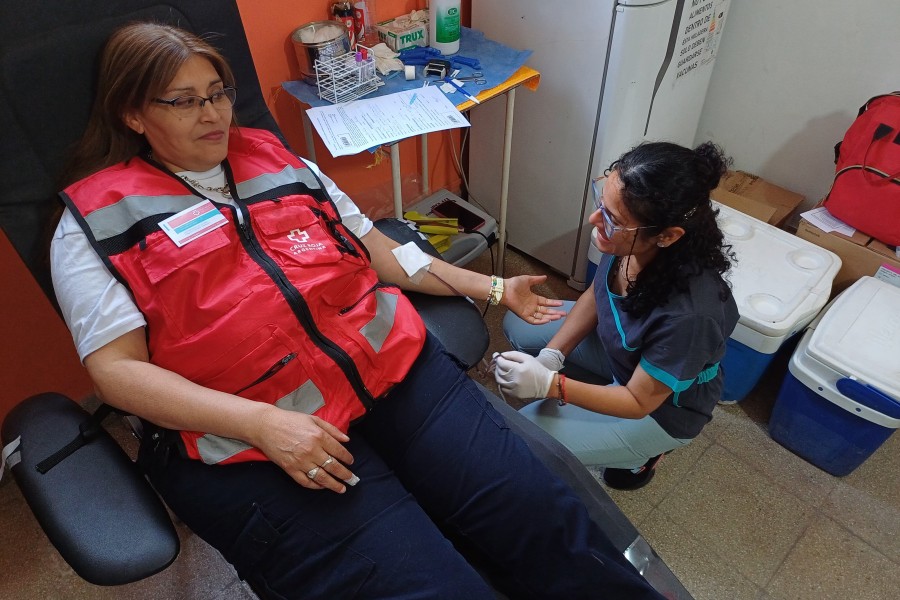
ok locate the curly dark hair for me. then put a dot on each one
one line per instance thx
(667, 185)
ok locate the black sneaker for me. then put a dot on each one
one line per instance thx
(631, 479)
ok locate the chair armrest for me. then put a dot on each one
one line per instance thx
(95, 506)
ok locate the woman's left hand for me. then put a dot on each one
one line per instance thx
(529, 306)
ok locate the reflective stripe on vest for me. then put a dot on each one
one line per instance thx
(377, 330)
(214, 449)
(269, 181)
(113, 220)
(117, 218)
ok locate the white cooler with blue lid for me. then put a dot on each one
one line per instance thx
(841, 397)
(780, 283)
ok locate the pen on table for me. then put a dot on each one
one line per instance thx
(462, 91)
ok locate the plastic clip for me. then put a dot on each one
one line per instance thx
(437, 68)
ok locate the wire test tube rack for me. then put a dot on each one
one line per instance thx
(346, 77)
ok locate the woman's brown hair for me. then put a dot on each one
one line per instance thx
(137, 64)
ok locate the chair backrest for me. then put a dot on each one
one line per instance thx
(49, 51)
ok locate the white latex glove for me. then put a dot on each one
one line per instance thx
(522, 375)
(414, 16)
(551, 358)
(386, 59)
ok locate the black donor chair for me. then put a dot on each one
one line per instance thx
(94, 505)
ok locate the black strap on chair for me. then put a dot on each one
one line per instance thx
(87, 431)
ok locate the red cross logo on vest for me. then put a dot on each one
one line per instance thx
(298, 236)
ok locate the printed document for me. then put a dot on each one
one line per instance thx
(351, 127)
(824, 220)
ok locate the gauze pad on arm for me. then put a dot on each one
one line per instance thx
(415, 262)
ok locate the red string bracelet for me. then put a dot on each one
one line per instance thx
(561, 386)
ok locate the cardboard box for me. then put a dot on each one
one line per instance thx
(756, 197)
(860, 254)
(755, 209)
(401, 33)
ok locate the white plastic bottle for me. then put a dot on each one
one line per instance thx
(443, 25)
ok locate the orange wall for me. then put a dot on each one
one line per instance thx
(269, 25)
(36, 350)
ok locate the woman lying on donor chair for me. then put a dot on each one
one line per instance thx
(654, 321)
(297, 415)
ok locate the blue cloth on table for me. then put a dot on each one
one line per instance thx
(498, 63)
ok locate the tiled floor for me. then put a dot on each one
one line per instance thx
(734, 515)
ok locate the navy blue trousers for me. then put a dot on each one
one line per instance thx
(443, 483)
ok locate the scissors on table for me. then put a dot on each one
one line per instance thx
(477, 78)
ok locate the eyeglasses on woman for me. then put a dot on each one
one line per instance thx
(609, 228)
(188, 106)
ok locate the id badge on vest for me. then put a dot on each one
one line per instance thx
(193, 222)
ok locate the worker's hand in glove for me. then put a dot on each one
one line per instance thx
(551, 358)
(522, 375)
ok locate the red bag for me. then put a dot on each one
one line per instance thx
(866, 189)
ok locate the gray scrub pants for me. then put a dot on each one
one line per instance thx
(596, 439)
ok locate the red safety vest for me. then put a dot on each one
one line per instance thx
(283, 308)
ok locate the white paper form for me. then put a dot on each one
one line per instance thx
(351, 127)
(824, 220)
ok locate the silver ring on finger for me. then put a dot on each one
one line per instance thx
(328, 461)
(312, 472)
(536, 315)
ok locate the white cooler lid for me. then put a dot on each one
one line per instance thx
(859, 335)
(780, 281)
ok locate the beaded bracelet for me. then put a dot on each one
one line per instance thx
(496, 292)
(561, 387)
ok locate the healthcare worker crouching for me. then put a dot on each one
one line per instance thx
(642, 345)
